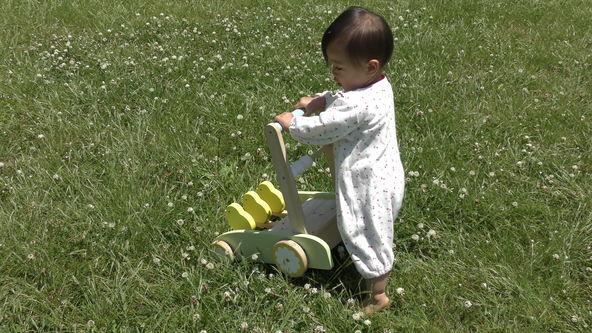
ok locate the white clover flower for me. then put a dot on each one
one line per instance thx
(467, 304)
(185, 275)
(319, 329)
(184, 197)
(254, 256)
(431, 233)
(556, 256)
(358, 316)
(196, 317)
(190, 210)
(2, 164)
(244, 326)
(400, 291)
(170, 204)
(415, 237)
(30, 256)
(156, 260)
(420, 225)
(210, 265)
(239, 117)
(367, 322)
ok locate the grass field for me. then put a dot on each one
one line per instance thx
(126, 127)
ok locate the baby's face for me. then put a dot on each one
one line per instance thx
(347, 74)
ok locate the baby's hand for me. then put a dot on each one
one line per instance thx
(303, 102)
(285, 119)
(311, 104)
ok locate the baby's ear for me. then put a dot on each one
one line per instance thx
(373, 66)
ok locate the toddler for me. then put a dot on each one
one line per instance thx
(359, 122)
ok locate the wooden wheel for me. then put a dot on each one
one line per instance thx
(223, 249)
(290, 258)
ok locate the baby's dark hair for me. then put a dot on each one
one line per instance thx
(366, 36)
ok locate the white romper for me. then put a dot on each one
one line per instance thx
(369, 174)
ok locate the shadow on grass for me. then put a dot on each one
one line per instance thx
(343, 279)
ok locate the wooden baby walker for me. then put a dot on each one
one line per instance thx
(295, 230)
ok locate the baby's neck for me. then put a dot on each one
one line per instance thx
(372, 80)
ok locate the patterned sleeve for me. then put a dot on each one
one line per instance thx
(338, 120)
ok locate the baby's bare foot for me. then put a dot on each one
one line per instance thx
(376, 303)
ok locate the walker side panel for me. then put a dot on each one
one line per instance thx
(248, 242)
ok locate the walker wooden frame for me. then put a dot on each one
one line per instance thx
(304, 233)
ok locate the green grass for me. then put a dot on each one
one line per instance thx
(117, 117)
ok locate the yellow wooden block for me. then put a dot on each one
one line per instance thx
(272, 196)
(255, 206)
(238, 218)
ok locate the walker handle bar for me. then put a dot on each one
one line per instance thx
(296, 113)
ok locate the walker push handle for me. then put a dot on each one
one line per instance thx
(296, 113)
